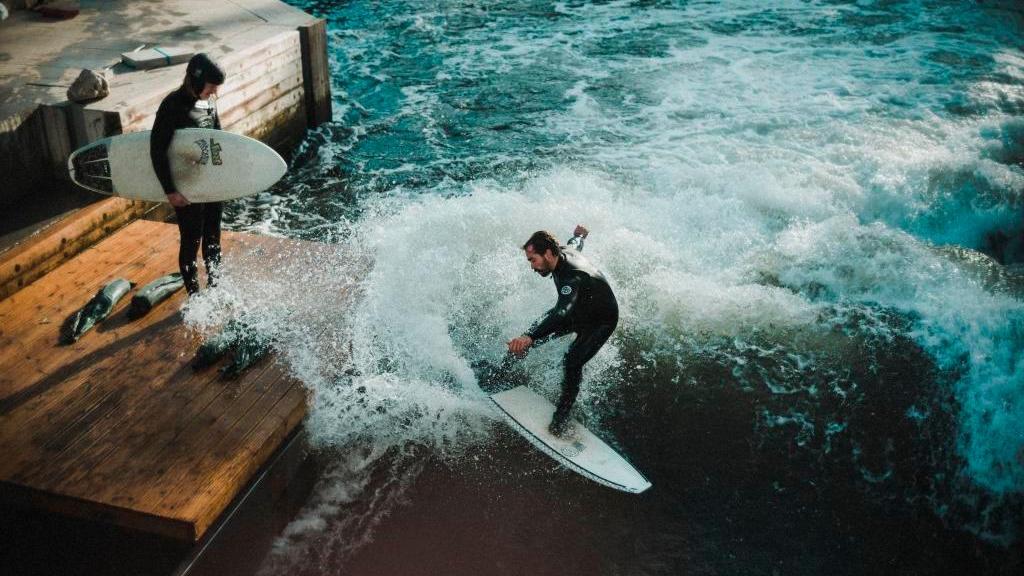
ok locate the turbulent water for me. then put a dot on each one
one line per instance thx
(811, 214)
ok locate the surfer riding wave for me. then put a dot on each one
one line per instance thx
(586, 306)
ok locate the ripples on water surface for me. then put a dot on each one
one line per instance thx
(810, 211)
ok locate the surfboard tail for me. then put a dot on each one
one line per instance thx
(560, 458)
(90, 168)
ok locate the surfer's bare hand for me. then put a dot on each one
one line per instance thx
(520, 345)
(177, 200)
(580, 230)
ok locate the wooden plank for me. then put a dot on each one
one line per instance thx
(243, 67)
(67, 389)
(179, 445)
(179, 412)
(204, 436)
(34, 257)
(258, 443)
(278, 81)
(144, 464)
(150, 422)
(218, 489)
(46, 303)
(52, 298)
(73, 398)
(266, 106)
(81, 389)
(110, 259)
(54, 385)
(39, 381)
(214, 477)
(288, 130)
(264, 121)
(259, 76)
(136, 99)
(283, 68)
(62, 255)
(145, 440)
(39, 322)
(99, 462)
(285, 103)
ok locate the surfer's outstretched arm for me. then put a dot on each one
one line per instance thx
(578, 236)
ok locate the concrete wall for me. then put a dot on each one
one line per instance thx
(31, 144)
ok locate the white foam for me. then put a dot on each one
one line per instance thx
(738, 183)
(958, 320)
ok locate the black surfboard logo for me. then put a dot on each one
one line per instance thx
(208, 151)
(215, 152)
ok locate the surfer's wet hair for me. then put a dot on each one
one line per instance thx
(542, 240)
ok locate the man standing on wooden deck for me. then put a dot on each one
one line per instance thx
(193, 105)
(586, 306)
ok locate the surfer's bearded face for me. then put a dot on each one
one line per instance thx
(542, 264)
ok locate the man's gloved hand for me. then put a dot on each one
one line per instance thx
(177, 200)
(520, 345)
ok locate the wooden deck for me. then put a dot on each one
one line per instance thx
(118, 427)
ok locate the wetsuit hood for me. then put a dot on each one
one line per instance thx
(201, 70)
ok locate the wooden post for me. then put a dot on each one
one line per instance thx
(316, 74)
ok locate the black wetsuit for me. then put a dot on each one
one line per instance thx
(198, 223)
(586, 305)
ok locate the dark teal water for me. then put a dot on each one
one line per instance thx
(811, 213)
